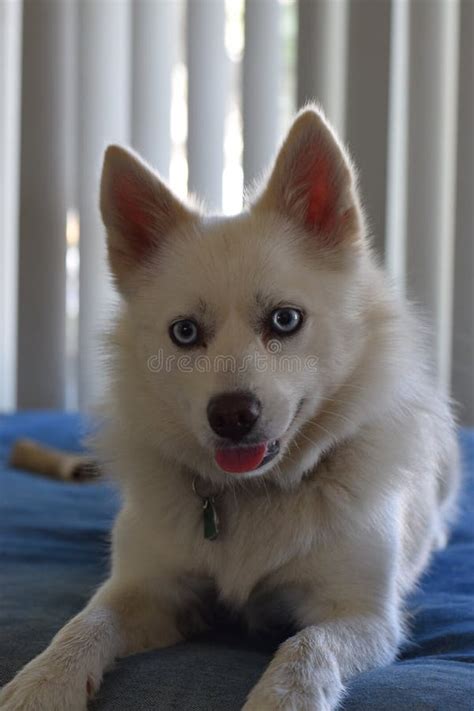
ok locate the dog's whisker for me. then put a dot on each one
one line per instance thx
(338, 415)
(338, 401)
(266, 490)
(354, 386)
(313, 423)
(313, 442)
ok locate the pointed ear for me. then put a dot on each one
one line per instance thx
(313, 183)
(138, 211)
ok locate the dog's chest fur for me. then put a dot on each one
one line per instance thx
(260, 532)
(267, 539)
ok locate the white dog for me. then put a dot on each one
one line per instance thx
(275, 429)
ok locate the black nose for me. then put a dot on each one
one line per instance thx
(232, 415)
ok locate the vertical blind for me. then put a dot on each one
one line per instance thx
(204, 90)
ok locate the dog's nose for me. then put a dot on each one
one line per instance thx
(232, 415)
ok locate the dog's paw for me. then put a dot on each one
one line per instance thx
(281, 699)
(290, 685)
(46, 685)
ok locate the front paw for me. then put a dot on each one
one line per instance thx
(278, 699)
(290, 688)
(45, 685)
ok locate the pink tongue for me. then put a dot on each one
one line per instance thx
(241, 459)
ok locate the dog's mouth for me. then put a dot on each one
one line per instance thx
(241, 459)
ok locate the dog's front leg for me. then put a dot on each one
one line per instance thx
(309, 669)
(119, 620)
(348, 617)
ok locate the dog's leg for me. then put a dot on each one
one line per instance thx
(309, 670)
(118, 621)
(348, 618)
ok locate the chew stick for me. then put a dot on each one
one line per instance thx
(67, 466)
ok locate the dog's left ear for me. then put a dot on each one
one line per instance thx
(313, 183)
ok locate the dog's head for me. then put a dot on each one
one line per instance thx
(236, 330)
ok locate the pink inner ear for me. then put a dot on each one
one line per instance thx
(131, 206)
(322, 196)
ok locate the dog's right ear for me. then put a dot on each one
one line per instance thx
(138, 211)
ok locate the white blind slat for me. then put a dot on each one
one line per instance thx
(103, 101)
(368, 63)
(10, 82)
(44, 195)
(207, 86)
(322, 48)
(154, 51)
(261, 85)
(430, 174)
(395, 247)
(463, 331)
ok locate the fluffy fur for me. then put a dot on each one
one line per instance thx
(343, 521)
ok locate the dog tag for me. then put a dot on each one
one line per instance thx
(211, 519)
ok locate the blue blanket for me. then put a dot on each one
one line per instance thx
(54, 551)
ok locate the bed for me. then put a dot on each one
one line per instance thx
(54, 553)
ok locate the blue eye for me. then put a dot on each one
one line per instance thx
(184, 333)
(286, 320)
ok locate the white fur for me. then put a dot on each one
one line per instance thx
(343, 522)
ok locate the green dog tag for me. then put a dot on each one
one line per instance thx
(211, 519)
